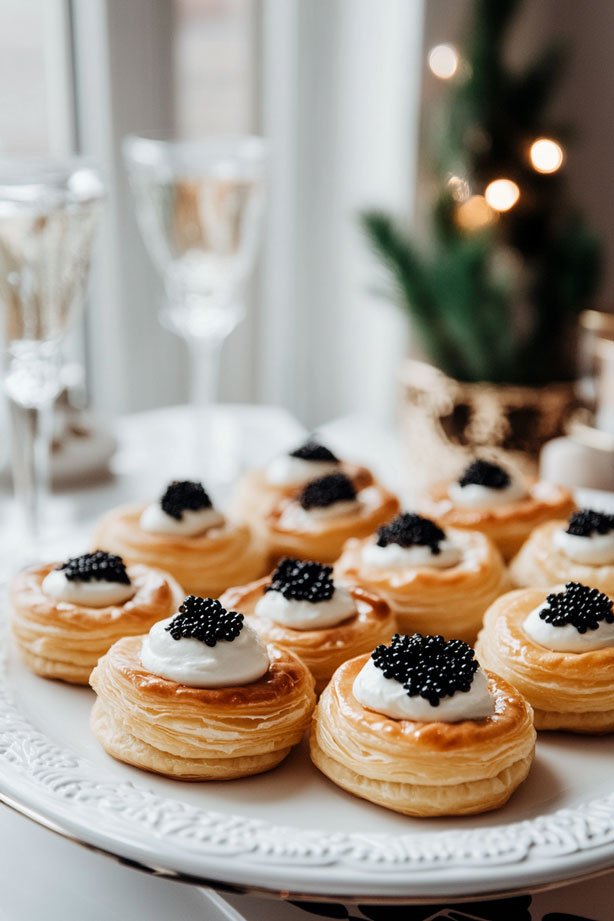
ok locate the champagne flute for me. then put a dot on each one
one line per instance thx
(199, 206)
(48, 214)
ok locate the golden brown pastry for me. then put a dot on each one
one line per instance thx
(261, 489)
(578, 550)
(489, 499)
(435, 581)
(188, 537)
(65, 616)
(300, 608)
(558, 650)
(440, 763)
(234, 707)
(316, 523)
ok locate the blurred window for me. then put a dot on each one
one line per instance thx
(214, 66)
(23, 97)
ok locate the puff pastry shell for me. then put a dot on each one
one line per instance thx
(422, 769)
(254, 496)
(449, 601)
(509, 525)
(323, 539)
(194, 733)
(539, 564)
(205, 564)
(573, 691)
(57, 639)
(321, 650)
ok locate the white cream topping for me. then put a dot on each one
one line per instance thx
(294, 471)
(415, 557)
(190, 662)
(295, 516)
(388, 697)
(476, 496)
(566, 638)
(93, 594)
(305, 615)
(155, 520)
(594, 549)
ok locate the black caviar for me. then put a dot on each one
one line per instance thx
(326, 490)
(587, 522)
(303, 580)
(583, 607)
(205, 619)
(485, 473)
(96, 567)
(312, 450)
(409, 529)
(427, 666)
(183, 495)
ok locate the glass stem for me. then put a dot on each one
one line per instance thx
(204, 386)
(31, 440)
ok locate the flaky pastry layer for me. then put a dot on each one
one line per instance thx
(422, 769)
(573, 691)
(449, 601)
(325, 649)
(205, 564)
(195, 733)
(507, 525)
(57, 639)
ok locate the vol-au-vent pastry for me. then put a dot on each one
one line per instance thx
(578, 550)
(315, 524)
(324, 622)
(259, 490)
(488, 498)
(64, 616)
(557, 648)
(201, 697)
(419, 727)
(186, 535)
(435, 581)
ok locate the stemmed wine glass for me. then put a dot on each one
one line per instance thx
(48, 215)
(199, 205)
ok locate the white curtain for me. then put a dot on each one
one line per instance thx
(340, 103)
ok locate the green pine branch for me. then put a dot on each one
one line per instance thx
(463, 308)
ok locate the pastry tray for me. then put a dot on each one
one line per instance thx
(291, 831)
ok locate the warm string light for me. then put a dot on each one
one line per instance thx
(475, 214)
(444, 61)
(546, 155)
(502, 194)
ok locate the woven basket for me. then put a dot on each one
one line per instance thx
(445, 422)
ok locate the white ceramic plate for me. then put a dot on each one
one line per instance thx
(291, 830)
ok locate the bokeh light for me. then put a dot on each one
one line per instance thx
(443, 61)
(546, 155)
(475, 214)
(502, 194)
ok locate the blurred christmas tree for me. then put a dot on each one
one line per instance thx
(495, 292)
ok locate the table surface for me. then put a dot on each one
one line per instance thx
(72, 882)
